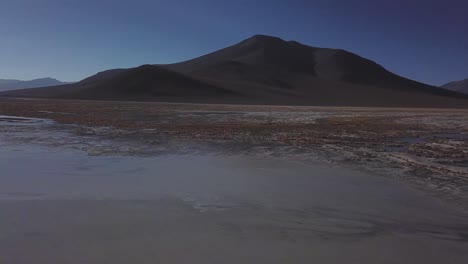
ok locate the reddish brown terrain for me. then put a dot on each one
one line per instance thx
(426, 147)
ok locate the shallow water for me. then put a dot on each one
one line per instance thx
(61, 205)
(412, 140)
(452, 136)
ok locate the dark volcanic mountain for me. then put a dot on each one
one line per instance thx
(6, 85)
(270, 56)
(264, 70)
(459, 86)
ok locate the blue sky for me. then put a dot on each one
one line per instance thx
(72, 39)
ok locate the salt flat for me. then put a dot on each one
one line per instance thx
(63, 204)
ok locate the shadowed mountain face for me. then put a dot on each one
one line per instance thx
(144, 83)
(263, 70)
(459, 86)
(270, 56)
(6, 85)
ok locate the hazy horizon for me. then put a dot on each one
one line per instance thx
(70, 40)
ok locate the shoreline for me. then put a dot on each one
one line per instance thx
(427, 148)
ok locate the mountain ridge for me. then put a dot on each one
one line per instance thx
(12, 84)
(457, 86)
(260, 70)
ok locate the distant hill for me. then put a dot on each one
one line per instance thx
(144, 83)
(458, 86)
(260, 70)
(6, 85)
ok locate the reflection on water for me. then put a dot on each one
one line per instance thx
(85, 205)
(15, 120)
(453, 136)
(311, 197)
(95, 141)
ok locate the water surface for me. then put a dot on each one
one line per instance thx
(61, 205)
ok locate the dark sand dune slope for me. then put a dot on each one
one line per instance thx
(260, 70)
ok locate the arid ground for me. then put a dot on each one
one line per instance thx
(426, 148)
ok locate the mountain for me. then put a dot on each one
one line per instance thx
(268, 56)
(458, 86)
(6, 85)
(260, 70)
(144, 83)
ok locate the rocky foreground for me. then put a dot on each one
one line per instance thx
(426, 147)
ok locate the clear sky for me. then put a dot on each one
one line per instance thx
(425, 40)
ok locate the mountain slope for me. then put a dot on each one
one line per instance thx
(144, 83)
(6, 85)
(260, 70)
(274, 55)
(458, 86)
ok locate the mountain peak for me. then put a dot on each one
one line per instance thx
(46, 79)
(264, 38)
